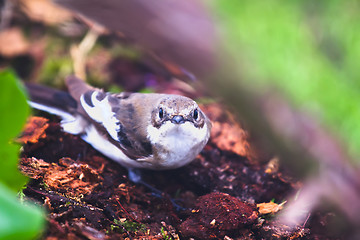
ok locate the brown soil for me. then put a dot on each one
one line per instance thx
(88, 196)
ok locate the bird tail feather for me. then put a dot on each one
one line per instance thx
(53, 101)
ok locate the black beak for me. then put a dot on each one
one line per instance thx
(177, 119)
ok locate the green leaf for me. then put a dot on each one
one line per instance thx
(13, 106)
(14, 109)
(9, 173)
(18, 221)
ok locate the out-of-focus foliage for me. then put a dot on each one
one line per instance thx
(57, 62)
(14, 111)
(17, 221)
(307, 50)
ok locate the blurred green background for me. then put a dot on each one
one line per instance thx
(309, 51)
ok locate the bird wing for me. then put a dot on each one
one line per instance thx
(115, 114)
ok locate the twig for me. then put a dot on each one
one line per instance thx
(80, 52)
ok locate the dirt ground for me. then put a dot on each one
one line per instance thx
(226, 193)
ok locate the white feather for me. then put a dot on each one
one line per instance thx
(102, 113)
(70, 124)
(64, 115)
(77, 126)
(178, 144)
(100, 143)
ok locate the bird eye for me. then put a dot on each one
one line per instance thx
(195, 114)
(161, 113)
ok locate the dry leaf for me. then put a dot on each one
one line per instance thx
(45, 11)
(230, 137)
(270, 207)
(12, 42)
(226, 132)
(34, 130)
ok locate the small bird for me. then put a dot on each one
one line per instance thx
(138, 130)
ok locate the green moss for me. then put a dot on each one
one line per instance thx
(164, 234)
(127, 225)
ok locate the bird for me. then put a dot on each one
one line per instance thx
(137, 130)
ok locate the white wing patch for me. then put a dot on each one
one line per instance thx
(64, 115)
(73, 124)
(100, 143)
(102, 113)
